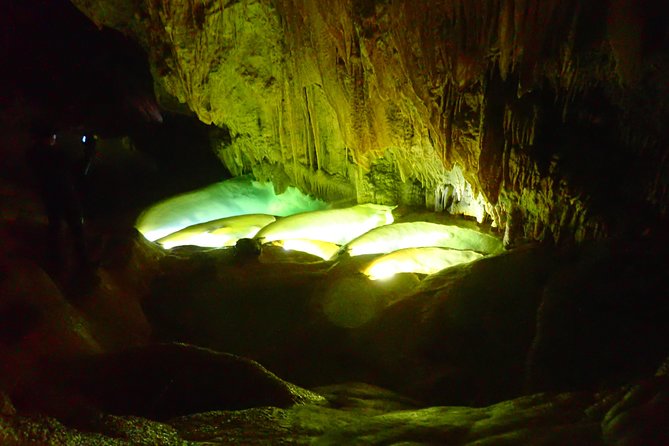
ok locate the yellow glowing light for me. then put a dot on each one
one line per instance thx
(390, 238)
(218, 233)
(324, 250)
(417, 260)
(237, 196)
(420, 234)
(338, 226)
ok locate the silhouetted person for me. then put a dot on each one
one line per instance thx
(85, 165)
(58, 175)
(89, 140)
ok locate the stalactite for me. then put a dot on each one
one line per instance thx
(280, 131)
(326, 186)
(291, 125)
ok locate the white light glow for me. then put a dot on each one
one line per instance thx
(218, 233)
(338, 226)
(237, 196)
(417, 260)
(324, 250)
(421, 234)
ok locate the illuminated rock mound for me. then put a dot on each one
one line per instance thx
(237, 196)
(218, 233)
(318, 248)
(421, 234)
(417, 260)
(338, 226)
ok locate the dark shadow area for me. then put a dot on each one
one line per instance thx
(67, 70)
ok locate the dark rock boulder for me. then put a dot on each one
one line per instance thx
(641, 416)
(36, 323)
(361, 414)
(602, 319)
(463, 335)
(165, 380)
(214, 299)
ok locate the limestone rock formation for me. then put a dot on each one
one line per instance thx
(552, 111)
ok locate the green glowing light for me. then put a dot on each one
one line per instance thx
(417, 260)
(324, 250)
(338, 226)
(218, 233)
(420, 234)
(237, 196)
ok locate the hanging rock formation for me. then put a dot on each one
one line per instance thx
(542, 116)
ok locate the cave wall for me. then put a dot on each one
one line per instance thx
(544, 117)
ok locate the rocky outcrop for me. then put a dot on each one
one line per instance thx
(553, 111)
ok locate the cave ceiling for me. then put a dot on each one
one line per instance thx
(549, 114)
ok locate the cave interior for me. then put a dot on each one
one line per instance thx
(417, 222)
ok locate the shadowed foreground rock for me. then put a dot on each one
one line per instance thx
(164, 380)
(360, 414)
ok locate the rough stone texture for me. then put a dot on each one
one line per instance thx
(160, 381)
(361, 414)
(6, 406)
(638, 418)
(533, 100)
